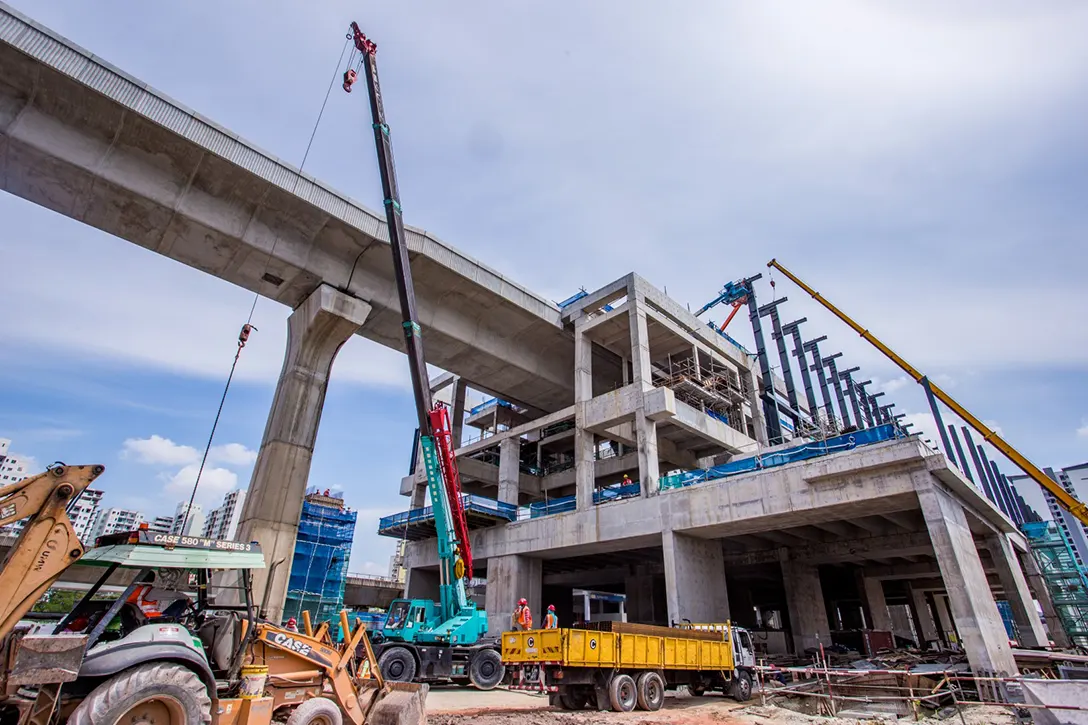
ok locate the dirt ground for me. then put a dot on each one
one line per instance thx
(457, 706)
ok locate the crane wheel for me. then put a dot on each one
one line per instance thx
(651, 691)
(622, 693)
(317, 711)
(159, 693)
(486, 669)
(397, 665)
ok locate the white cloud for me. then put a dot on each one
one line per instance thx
(214, 484)
(232, 454)
(894, 384)
(157, 450)
(1082, 432)
(993, 425)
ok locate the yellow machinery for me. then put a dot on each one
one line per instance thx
(630, 666)
(1068, 502)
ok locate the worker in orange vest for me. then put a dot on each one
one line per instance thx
(550, 620)
(523, 617)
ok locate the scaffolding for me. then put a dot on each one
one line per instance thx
(1065, 579)
(319, 569)
(709, 386)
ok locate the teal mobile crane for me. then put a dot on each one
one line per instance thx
(423, 639)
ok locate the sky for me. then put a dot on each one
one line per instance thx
(924, 166)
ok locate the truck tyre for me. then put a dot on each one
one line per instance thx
(317, 711)
(696, 689)
(397, 665)
(161, 692)
(651, 691)
(742, 687)
(622, 693)
(486, 669)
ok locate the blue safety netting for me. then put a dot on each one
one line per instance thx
(320, 564)
(569, 503)
(470, 502)
(816, 449)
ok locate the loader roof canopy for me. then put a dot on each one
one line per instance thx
(141, 556)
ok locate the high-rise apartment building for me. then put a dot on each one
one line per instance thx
(84, 514)
(222, 522)
(193, 525)
(114, 520)
(161, 524)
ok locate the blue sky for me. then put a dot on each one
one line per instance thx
(924, 166)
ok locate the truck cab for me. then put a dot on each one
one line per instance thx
(744, 653)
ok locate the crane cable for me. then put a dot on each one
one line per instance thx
(248, 327)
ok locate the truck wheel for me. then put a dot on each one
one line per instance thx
(742, 687)
(317, 711)
(651, 691)
(159, 693)
(622, 694)
(397, 665)
(696, 690)
(486, 670)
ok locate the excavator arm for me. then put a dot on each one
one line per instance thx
(1067, 501)
(47, 544)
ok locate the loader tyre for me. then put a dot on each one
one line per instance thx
(316, 711)
(397, 665)
(651, 691)
(486, 669)
(622, 694)
(160, 693)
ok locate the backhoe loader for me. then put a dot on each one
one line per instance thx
(131, 659)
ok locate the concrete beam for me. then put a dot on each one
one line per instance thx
(543, 422)
(315, 333)
(837, 552)
(663, 407)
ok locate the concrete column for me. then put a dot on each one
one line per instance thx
(639, 589)
(510, 578)
(509, 470)
(878, 606)
(694, 578)
(758, 421)
(973, 607)
(805, 601)
(944, 619)
(645, 429)
(1042, 593)
(923, 617)
(584, 460)
(457, 412)
(316, 330)
(1030, 627)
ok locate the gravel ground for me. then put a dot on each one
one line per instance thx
(464, 706)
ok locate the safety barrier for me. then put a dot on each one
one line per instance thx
(816, 449)
(391, 525)
(566, 504)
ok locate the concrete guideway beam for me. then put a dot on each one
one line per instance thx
(973, 607)
(316, 331)
(694, 579)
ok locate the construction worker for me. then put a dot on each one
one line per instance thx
(626, 480)
(292, 625)
(550, 620)
(522, 618)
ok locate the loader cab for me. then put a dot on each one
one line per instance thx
(407, 618)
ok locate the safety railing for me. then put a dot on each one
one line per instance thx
(758, 462)
(471, 503)
(566, 504)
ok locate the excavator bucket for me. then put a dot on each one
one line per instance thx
(394, 703)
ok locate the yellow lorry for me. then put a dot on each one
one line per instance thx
(620, 666)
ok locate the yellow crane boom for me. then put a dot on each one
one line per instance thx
(1068, 502)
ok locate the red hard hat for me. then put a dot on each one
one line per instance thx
(551, 607)
(292, 620)
(522, 602)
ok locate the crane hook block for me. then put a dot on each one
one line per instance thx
(349, 79)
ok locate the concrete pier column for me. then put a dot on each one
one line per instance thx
(1028, 624)
(694, 578)
(509, 470)
(805, 601)
(457, 411)
(315, 332)
(585, 471)
(510, 578)
(873, 590)
(944, 619)
(639, 589)
(645, 428)
(923, 617)
(1042, 594)
(973, 607)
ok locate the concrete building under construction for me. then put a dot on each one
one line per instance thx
(677, 477)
